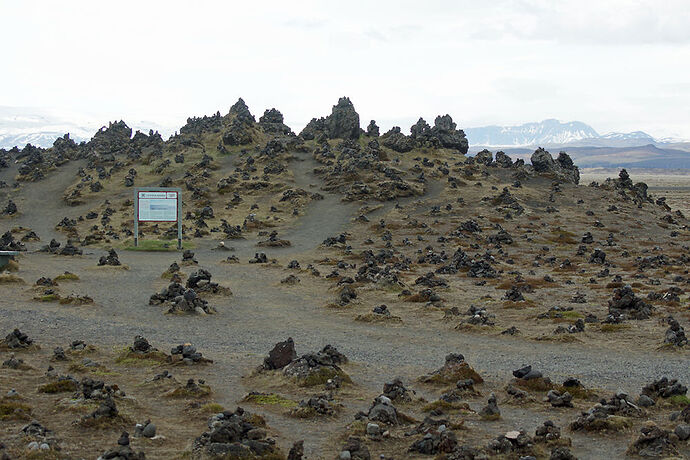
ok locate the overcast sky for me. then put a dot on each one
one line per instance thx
(617, 65)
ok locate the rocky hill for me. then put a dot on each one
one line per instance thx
(355, 293)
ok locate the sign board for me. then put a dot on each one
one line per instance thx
(157, 206)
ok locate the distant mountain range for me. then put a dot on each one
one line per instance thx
(552, 132)
(41, 139)
(587, 147)
(40, 127)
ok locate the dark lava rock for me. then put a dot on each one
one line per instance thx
(282, 354)
(675, 334)
(235, 435)
(654, 442)
(141, 345)
(110, 259)
(17, 339)
(343, 122)
(355, 449)
(624, 303)
(664, 388)
(562, 168)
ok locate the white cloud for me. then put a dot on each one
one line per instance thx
(618, 65)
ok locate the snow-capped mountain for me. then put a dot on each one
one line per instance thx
(40, 127)
(43, 139)
(632, 135)
(539, 133)
(552, 133)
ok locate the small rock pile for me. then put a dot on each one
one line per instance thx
(110, 259)
(310, 367)
(454, 369)
(123, 451)
(491, 410)
(382, 410)
(187, 354)
(396, 391)
(354, 449)
(664, 388)
(320, 405)
(10, 209)
(654, 442)
(675, 334)
(325, 363)
(141, 345)
(607, 414)
(17, 339)
(436, 440)
(547, 432)
(200, 281)
(42, 438)
(8, 243)
(181, 300)
(235, 435)
(626, 305)
(145, 430)
(107, 409)
(479, 316)
(512, 442)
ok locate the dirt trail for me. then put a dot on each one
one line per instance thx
(41, 208)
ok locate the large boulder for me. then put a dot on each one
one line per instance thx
(343, 122)
(396, 140)
(272, 122)
(562, 168)
(240, 111)
(451, 138)
(282, 354)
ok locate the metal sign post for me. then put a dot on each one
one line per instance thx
(158, 204)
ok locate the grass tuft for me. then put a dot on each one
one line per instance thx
(59, 386)
(6, 278)
(269, 399)
(67, 276)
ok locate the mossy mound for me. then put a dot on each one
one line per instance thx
(59, 386)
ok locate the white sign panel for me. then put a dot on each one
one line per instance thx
(157, 206)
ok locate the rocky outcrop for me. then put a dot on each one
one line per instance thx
(562, 168)
(342, 123)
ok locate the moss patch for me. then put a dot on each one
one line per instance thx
(323, 375)
(7, 278)
(540, 384)
(269, 399)
(446, 406)
(48, 298)
(679, 400)
(614, 327)
(211, 408)
(451, 374)
(611, 423)
(76, 300)
(59, 386)
(12, 409)
(106, 423)
(67, 276)
(133, 359)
